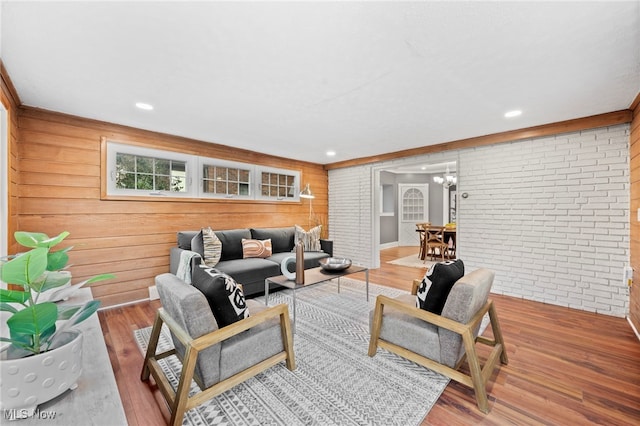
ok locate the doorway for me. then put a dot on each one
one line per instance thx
(413, 201)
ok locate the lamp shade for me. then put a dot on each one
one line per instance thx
(306, 192)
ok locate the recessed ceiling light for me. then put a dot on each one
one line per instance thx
(144, 106)
(331, 153)
(513, 113)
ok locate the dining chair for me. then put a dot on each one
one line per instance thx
(422, 228)
(434, 239)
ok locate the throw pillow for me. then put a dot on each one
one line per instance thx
(256, 248)
(212, 247)
(225, 297)
(437, 283)
(310, 239)
(207, 244)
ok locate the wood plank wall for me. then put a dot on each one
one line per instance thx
(59, 161)
(634, 166)
(10, 101)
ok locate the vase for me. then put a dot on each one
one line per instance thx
(28, 382)
(286, 269)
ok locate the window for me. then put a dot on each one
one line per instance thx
(225, 179)
(137, 171)
(132, 170)
(278, 184)
(149, 173)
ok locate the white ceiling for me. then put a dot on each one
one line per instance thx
(296, 79)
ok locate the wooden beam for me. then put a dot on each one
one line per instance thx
(601, 120)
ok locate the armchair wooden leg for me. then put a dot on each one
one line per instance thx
(479, 384)
(287, 338)
(497, 333)
(179, 404)
(151, 348)
(375, 328)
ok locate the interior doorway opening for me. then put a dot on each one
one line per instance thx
(392, 219)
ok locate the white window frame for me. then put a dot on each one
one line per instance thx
(194, 175)
(206, 161)
(114, 148)
(274, 170)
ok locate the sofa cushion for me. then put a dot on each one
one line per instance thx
(256, 248)
(310, 239)
(437, 283)
(232, 242)
(225, 298)
(249, 270)
(281, 238)
(184, 239)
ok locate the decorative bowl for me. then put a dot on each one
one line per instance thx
(335, 263)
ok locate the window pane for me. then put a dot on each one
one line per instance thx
(233, 188)
(144, 182)
(126, 180)
(243, 189)
(221, 187)
(162, 167)
(221, 173)
(163, 183)
(126, 162)
(144, 165)
(244, 176)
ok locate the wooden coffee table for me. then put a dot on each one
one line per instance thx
(311, 277)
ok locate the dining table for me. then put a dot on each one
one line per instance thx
(449, 238)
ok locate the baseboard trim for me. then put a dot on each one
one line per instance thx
(388, 245)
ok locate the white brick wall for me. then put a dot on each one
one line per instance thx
(549, 215)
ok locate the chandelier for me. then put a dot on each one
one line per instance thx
(447, 180)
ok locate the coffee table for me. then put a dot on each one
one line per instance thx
(311, 277)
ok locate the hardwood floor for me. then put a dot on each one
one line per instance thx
(566, 367)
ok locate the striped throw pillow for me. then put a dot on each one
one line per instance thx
(310, 239)
(212, 247)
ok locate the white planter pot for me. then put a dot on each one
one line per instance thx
(27, 382)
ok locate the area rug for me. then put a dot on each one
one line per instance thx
(335, 383)
(412, 261)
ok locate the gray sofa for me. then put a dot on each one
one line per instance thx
(250, 272)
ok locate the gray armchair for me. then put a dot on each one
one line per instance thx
(443, 342)
(216, 358)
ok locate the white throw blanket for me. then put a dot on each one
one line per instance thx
(184, 266)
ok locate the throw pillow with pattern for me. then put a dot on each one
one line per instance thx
(310, 239)
(212, 247)
(224, 295)
(256, 248)
(437, 284)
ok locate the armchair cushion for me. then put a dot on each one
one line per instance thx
(225, 297)
(437, 283)
(409, 332)
(190, 309)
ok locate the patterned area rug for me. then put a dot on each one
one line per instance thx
(412, 261)
(335, 383)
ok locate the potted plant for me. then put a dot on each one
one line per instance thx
(42, 355)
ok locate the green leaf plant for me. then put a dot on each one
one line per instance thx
(36, 327)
